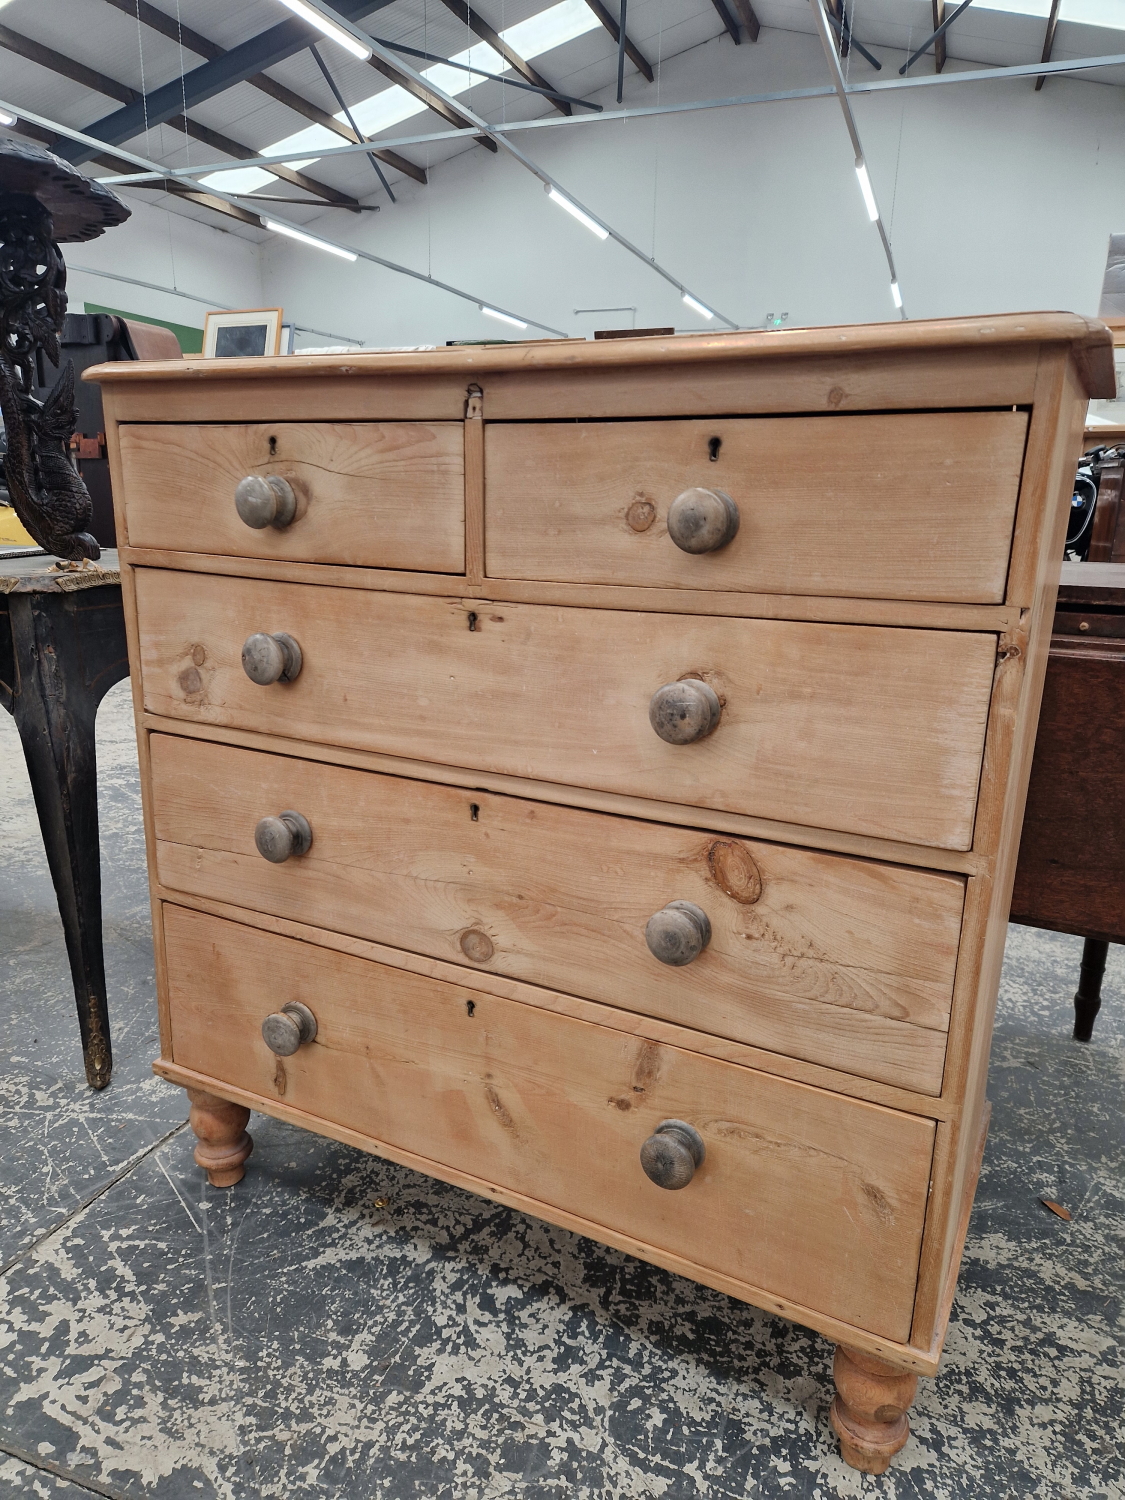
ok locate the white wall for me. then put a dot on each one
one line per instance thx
(998, 199)
(169, 250)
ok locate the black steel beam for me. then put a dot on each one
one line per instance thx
(634, 54)
(210, 78)
(748, 17)
(1048, 46)
(728, 21)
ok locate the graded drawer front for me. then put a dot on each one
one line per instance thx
(374, 494)
(844, 962)
(802, 1193)
(861, 728)
(912, 506)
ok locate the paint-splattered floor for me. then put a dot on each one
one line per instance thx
(339, 1327)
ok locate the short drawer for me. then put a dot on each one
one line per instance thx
(844, 962)
(910, 506)
(860, 728)
(802, 1193)
(372, 494)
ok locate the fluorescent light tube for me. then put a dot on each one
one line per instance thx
(6, 118)
(490, 312)
(330, 29)
(896, 294)
(704, 312)
(573, 209)
(865, 189)
(309, 239)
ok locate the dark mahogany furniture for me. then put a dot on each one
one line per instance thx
(62, 647)
(1071, 871)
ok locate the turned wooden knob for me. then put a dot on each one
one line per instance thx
(672, 1153)
(279, 838)
(265, 500)
(681, 712)
(702, 520)
(678, 933)
(289, 1028)
(271, 658)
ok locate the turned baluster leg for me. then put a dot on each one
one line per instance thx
(1088, 1000)
(869, 1412)
(220, 1128)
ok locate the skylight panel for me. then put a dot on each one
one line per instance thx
(1106, 13)
(389, 107)
(551, 28)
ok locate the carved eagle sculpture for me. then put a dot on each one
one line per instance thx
(47, 495)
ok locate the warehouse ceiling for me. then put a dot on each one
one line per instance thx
(124, 70)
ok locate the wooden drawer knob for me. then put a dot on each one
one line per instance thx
(271, 658)
(682, 712)
(265, 500)
(289, 1028)
(279, 838)
(702, 520)
(672, 1153)
(678, 933)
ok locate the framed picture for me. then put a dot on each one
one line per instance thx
(234, 335)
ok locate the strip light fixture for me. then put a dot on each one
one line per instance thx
(309, 239)
(6, 117)
(583, 218)
(334, 32)
(492, 312)
(867, 191)
(861, 171)
(697, 306)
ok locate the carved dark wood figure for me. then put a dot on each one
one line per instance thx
(43, 201)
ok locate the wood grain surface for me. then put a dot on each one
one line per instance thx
(869, 730)
(558, 1109)
(375, 494)
(847, 963)
(913, 506)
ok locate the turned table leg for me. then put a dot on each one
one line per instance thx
(869, 1412)
(1088, 1000)
(220, 1128)
(67, 650)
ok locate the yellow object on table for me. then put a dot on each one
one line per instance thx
(12, 531)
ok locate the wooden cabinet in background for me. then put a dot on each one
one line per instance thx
(593, 775)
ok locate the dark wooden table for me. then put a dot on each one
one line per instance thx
(62, 647)
(1071, 872)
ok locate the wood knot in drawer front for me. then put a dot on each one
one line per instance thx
(191, 681)
(734, 871)
(641, 514)
(836, 395)
(477, 945)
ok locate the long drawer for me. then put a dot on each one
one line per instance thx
(379, 494)
(909, 506)
(859, 728)
(844, 962)
(802, 1193)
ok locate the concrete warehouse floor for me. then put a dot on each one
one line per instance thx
(339, 1327)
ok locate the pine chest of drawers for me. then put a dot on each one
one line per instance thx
(593, 774)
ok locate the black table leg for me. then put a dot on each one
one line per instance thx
(1088, 1000)
(68, 650)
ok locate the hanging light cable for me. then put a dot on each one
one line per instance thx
(861, 171)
